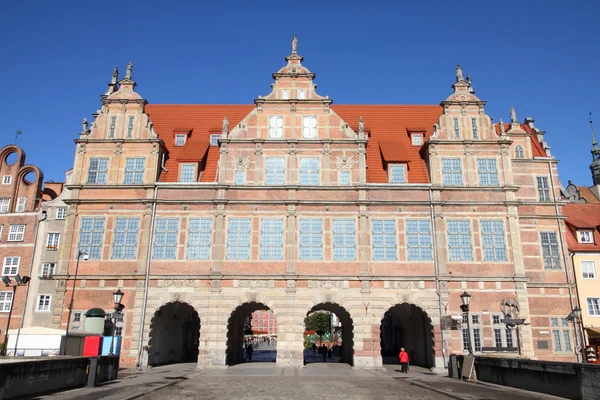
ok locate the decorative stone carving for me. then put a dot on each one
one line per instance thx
(345, 162)
(459, 73)
(365, 285)
(240, 162)
(402, 285)
(294, 44)
(254, 283)
(61, 283)
(176, 297)
(85, 126)
(290, 283)
(128, 70)
(513, 115)
(115, 75)
(140, 283)
(251, 296)
(328, 284)
(177, 283)
(520, 285)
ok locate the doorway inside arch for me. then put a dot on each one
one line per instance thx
(174, 335)
(408, 326)
(328, 335)
(251, 334)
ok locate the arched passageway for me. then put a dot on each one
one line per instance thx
(408, 326)
(243, 331)
(174, 334)
(343, 333)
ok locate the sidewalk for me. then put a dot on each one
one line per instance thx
(130, 384)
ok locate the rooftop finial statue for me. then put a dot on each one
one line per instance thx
(85, 125)
(128, 70)
(225, 125)
(361, 125)
(294, 44)
(115, 75)
(502, 131)
(513, 115)
(459, 73)
(468, 79)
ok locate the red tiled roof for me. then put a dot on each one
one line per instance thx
(212, 163)
(536, 147)
(392, 152)
(578, 215)
(586, 194)
(194, 150)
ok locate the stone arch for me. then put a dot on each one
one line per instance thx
(236, 329)
(408, 325)
(347, 351)
(10, 149)
(26, 169)
(174, 334)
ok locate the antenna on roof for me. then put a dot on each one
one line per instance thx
(594, 143)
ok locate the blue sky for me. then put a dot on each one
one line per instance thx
(541, 56)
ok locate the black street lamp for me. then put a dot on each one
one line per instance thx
(19, 281)
(466, 300)
(117, 316)
(86, 257)
(575, 316)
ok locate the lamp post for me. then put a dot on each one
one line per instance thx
(575, 316)
(466, 300)
(85, 257)
(20, 281)
(117, 316)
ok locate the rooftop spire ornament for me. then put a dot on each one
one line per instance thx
(115, 75)
(513, 115)
(459, 73)
(128, 70)
(294, 45)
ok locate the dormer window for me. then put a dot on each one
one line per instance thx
(397, 173)
(586, 237)
(302, 94)
(214, 139)
(285, 94)
(416, 139)
(180, 139)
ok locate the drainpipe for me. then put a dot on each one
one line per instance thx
(565, 257)
(138, 362)
(437, 272)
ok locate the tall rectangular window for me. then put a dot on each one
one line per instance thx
(16, 233)
(21, 202)
(125, 238)
(550, 250)
(588, 269)
(111, 129)
(452, 171)
(418, 240)
(165, 238)
(61, 213)
(397, 173)
(383, 237)
(285, 94)
(6, 299)
(43, 303)
(311, 239)
(487, 171)
(97, 171)
(492, 239)
(187, 173)
(4, 205)
(91, 236)
(199, 238)
(474, 128)
(456, 128)
(275, 127)
(476, 339)
(301, 94)
(309, 171)
(344, 178)
(593, 306)
(543, 189)
(309, 127)
(344, 240)
(239, 177)
(459, 240)
(11, 266)
(52, 241)
(503, 336)
(271, 239)
(561, 335)
(130, 126)
(274, 170)
(47, 270)
(134, 170)
(238, 238)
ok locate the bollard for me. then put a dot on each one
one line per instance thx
(92, 372)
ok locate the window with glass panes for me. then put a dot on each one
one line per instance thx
(271, 239)
(311, 239)
(474, 128)
(111, 129)
(344, 239)
(275, 127)
(77, 316)
(238, 238)
(418, 240)
(459, 240)
(586, 236)
(6, 180)
(492, 240)
(43, 303)
(180, 139)
(309, 127)
(550, 250)
(543, 188)
(593, 306)
(301, 94)
(165, 238)
(6, 299)
(274, 170)
(588, 269)
(125, 238)
(519, 152)
(344, 177)
(239, 177)
(52, 241)
(503, 335)
(21, 202)
(187, 173)
(4, 205)
(97, 171)
(134, 170)
(11, 266)
(452, 171)
(285, 94)
(1, 228)
(416, 139)
(309, 171)
(397, 173)
(91, 236)
(16, 233)
(561, 335)
(456, 128)
(199, 238)
(383, 237)
(47, 269)
(61, 213)
(487, 171)
(130, 126)
(214, 139)
(475, 335)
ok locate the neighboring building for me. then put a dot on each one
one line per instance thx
(381, 214)
(264, 322)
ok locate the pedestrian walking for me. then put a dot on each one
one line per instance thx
(323, 351)
(403, 356)
(249, 351)
(330, 351)
(314, 348)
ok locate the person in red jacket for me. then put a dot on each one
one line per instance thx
(403, 356)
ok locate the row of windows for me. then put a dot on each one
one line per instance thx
(5, 205)
(113, 123)
(502, 336)
(6, 299)
(134, 170)
(16, 233)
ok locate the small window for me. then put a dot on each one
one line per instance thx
(134, 170)
(519, 152)
(47, 270)
(240, 177)
(6, 299)
(180, 139)
(275, 127)
(4, 205)
(6, 180)
(309, 171)
(130, 126)
(111, 129)
(593, 306)
(344, 178)
(214, 139)
(188, 173)
(16, 233)
(61, 213)
(474, 128)
(588, 269)
(11, 266)
(301, 94)
(543, 189)
(43, 303)
(309, 127)
(416, 139)
(77, 316)
(21, 202)
(586, 237)
(488, 172)
(397, 174)
(452, 171)
(52, 241)
(274, 170)
(285, 94)
(456, 128)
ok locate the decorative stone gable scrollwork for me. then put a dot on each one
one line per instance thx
(345, 162)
